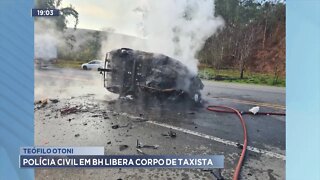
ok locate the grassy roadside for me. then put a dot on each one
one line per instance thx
(75, 64)
(249, 78)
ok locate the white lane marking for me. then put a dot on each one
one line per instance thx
(227, 142)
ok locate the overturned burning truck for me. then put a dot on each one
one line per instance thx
(136, 73)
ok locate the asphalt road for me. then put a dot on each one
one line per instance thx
(198, 130)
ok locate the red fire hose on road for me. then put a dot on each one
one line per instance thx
(226, 109)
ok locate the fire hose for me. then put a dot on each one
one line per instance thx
(225, 109)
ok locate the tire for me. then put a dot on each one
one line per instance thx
(85, 68)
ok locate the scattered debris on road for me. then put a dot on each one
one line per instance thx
(68, 110)
(171, 134)
(115, 126)
(140, 145)
(123, 147)
(118, 126)
(54, 100)
(42, 103)
(254, 110)
(140, 151)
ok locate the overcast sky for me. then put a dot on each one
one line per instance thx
(103, 14)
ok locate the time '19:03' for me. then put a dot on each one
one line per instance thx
(45, 12)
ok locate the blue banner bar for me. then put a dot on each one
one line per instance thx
(124, 161)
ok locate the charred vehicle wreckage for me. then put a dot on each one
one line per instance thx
(136, 73)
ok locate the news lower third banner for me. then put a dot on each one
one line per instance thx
(53, 157)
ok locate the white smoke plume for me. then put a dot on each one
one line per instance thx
(46, 40)
(177, 28)
(49, 40)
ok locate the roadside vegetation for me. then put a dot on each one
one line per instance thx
(69, 63)
(249, 77)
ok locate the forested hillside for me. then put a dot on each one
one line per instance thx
(253, 38)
